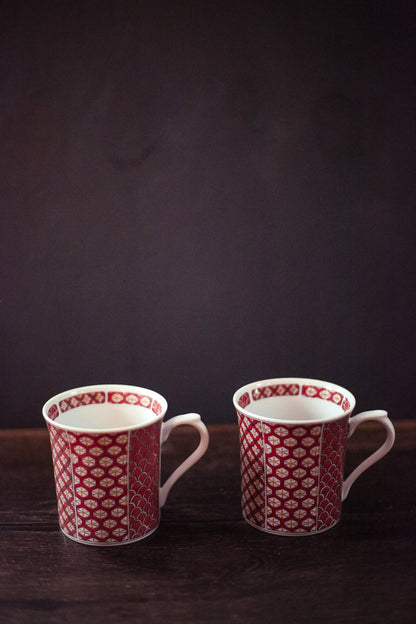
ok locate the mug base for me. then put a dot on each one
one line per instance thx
(109, 544)
(289, 533)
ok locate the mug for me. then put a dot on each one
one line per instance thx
(293, 433)
(105, 442)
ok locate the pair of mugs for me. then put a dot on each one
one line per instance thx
(106, 442)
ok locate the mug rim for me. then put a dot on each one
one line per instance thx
(104, 388)
(294, 380)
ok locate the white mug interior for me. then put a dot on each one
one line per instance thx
(104, 408)
(293, 400)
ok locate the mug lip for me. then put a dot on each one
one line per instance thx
(105, 388)
(334, 387)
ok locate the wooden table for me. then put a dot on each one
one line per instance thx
(204, 563)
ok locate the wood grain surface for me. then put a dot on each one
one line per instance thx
(204, 563)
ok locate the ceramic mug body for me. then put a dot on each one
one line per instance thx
(293, 433)
(106, 444)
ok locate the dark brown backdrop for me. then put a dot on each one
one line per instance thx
(197, 195)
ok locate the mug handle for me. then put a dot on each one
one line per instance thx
(167, 427)
(376, 416)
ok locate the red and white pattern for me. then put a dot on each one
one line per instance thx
(332, 461)
(315, 392)
(252, 470)
(244, 400)
(265, 392)
(294, 389)
(291, 475)
(61, 455)
(135, 399)
(99, 466)
(89, 398)
(144, 508)
(107, 485)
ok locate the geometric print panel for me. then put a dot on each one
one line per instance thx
(252, 470)
(144, 508)
(292, 474)
(99, 464)
(107, 485)
(332, 471)
(61, 456)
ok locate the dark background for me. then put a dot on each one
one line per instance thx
(196, 195)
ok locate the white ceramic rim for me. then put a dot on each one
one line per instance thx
(105, 388)
(294, 380)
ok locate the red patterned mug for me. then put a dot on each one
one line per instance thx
(292, 448)
(106, 443)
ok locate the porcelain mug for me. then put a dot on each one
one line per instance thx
(106, 443)
(293, 433)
